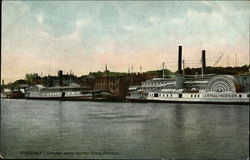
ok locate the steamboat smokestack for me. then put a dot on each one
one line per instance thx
(179, 76)
(203, 59)
(179, 59)
(60, 73)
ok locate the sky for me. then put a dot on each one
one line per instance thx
(43, 37)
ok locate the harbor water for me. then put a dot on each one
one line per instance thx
(77, 129)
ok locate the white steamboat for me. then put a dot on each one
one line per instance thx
(227, 89)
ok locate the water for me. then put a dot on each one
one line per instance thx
(60, 129)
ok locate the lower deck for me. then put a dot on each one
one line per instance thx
(223, 98)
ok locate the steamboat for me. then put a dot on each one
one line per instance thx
(205, 88)
(64, 93)
(60, 92)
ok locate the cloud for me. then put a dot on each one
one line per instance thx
(80, 25)
(40, 18)
(24, 7)
(154, 20)
(82, 22)
(196, 14)
(177, 21)
(130, 27)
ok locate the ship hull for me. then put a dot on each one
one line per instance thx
(188, 101)
(208, 98)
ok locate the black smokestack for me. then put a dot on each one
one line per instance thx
(179, 59)
(60, 73)
(203, 59)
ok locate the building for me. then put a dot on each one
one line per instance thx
(118, 86)
(60, 80)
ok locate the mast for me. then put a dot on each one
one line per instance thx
(106, 68)
(49, 69)
(41, 78)
(131, 76)
(236, 60)
(163, 68)
(70, 77)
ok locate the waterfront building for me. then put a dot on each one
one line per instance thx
(118, 86)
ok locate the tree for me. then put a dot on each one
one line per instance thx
(30, 77)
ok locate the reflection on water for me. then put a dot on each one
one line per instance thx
(49, 129)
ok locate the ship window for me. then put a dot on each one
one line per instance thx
(198, 95)
(180, 95)
(240, 95)
(195, 95)
(155, 95)
(191, 95)
(171, 95)
(248, 95)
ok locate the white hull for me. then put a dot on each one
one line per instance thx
(59, 95)
(239, 98)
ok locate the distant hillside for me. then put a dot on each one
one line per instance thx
(219, 70)
(104, 74)
(113, 74)
(160, 72)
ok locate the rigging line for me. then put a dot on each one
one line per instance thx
(218, 59)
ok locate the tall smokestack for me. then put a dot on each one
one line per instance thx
(179, 76)
(179, 59)
(60, 73)
(203, 59)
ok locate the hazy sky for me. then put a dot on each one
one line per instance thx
(84, 36)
